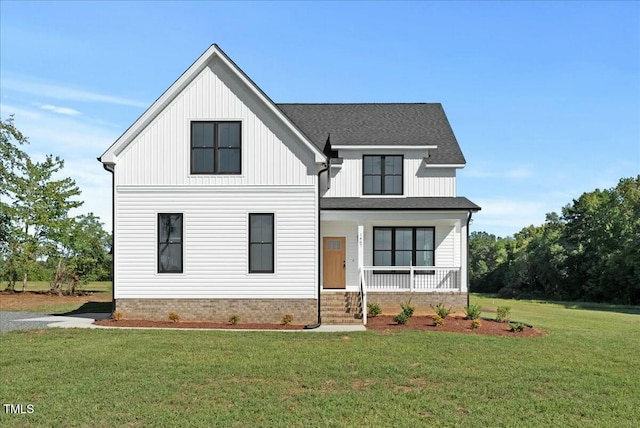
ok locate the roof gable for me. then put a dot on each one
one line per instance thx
(111, 154)
(396, 124)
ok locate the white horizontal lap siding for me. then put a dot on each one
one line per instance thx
(419, 181)
(215, 252)
(160, 154)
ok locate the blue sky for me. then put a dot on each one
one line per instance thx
(544, 97)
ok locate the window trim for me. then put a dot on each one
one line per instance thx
(273, 243)
(158, 243)
(216, 147)
(382, 175)
(414, 250)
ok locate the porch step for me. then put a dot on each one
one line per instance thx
(340, 308)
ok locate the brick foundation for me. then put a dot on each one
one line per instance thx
(390, 302)
(266, 311)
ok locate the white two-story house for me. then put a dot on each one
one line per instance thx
(225, 203)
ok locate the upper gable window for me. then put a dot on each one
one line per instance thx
(215, 147)
(382, 175)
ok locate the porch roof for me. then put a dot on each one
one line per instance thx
(427, 204)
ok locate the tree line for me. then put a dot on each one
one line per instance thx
(590, 252)
(39, 240)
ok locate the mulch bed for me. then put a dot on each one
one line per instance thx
(195, 324)
(385, 323)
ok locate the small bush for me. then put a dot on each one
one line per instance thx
(515, 327)
(438, 320)
(117, 315)
(287, 319)
(407, 309)
(402, 318)
(503, 313)
(472, 312)
(373, 309)
(234, 319)
(475, 324)
(441, 311)
(174, 317)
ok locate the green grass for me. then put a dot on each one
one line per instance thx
(584, 372)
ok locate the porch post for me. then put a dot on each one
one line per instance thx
(464, 265)
(360, 245)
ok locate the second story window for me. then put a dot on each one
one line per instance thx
(215, 148)
(382, 175)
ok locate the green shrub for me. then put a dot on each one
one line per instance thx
(472, 312)
(407, 309)
(402, 318)
(438, 320)
(287, 319)
(373, 309)
(503, 313)
(475, 324)
(234, 319)
(441, 311)
(173, 316)
(515, 327)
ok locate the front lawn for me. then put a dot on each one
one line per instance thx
(584, 372)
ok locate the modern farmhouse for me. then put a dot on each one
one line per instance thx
(225, 203)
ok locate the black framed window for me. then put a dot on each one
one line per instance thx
(170, 243)
(215, 148)
(261, 243)
(403, 246)
(382, 174)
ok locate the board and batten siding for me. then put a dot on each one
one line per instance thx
(215, 249)
(160, 154)
(418, 180)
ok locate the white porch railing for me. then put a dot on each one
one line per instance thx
(411, 278)
(363, 295)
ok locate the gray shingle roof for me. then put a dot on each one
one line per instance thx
(427, 204)
(378, 124)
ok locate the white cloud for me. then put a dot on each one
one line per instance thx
(60, 134)
(56, 109)
(57, 91)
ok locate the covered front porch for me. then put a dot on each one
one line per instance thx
(389, 251)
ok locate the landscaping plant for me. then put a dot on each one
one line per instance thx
(503, 313)
(441, 311)
(373, 309)
(472, 312)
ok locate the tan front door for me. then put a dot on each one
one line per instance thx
(334, 262)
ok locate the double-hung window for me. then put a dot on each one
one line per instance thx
(261, 243)
(403, 246)
(215, 148)
(382, 175)
(170, 243)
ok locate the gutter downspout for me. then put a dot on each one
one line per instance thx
(325, 167)
(467, 276)
(111, 168)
